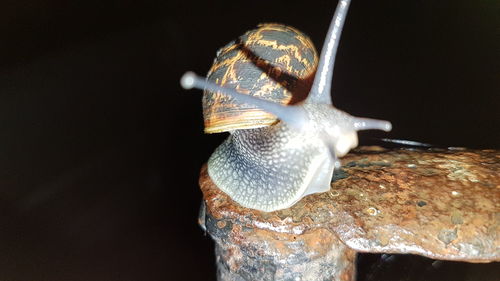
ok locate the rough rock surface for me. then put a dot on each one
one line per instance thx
(443, 204)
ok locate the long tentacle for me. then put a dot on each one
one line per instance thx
(321, 89)
(294, 116)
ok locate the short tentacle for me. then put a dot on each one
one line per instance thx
(371, 124)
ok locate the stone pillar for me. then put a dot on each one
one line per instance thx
(267, 254)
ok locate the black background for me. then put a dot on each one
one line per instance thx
(100, 148)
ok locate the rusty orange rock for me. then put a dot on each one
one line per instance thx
(442, 204)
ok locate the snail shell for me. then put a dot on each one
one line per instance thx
(274, 62)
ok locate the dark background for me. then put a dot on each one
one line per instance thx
(100, 148)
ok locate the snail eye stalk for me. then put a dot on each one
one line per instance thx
(294, 116)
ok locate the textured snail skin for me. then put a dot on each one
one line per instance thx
(271, 168)
(262, 173)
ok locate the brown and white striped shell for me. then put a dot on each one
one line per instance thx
(273, 62)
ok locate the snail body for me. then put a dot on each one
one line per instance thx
(280, 148)
(273, 167)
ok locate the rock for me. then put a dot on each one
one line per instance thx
(442, 204)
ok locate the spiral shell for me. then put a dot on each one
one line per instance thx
(273, 62)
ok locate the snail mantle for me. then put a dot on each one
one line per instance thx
(442, 204)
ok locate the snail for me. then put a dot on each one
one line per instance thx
(276, 152)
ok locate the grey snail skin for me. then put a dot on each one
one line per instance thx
(271, 165)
